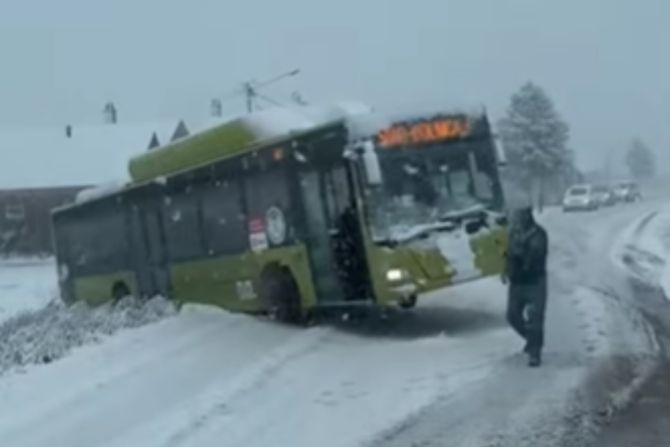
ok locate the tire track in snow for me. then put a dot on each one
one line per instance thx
(127, 367)
(529, 408)
(217, 405)
(639, 260)
(158, 390)
(645, 222)
(503, 408)
(386, 392)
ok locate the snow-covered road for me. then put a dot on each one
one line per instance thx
(448, 373)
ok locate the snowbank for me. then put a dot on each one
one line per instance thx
(48, 334)
(210, 378)
(26, 284)
(644, 249)
(665, 280)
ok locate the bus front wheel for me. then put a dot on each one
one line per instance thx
(280, 295)
(409, 302)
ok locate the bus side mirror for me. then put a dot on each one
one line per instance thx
(373, 171)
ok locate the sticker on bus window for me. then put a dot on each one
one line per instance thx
(258, 238)
(276, 225)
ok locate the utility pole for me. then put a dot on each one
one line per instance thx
(249, 93)
(250, 89)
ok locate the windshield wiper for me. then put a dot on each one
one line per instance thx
(457, 216)
(472, 219)
(418, 232)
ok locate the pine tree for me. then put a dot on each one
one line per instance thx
(640, 160)
(535, 140)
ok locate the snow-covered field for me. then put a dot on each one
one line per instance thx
(26, 284)
(448, 373)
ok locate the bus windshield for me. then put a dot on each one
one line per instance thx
(429, 187)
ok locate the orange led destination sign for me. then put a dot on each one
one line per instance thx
(424, 132)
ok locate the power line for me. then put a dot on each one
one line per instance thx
(278, 78)
(270, 100)
(250, 89)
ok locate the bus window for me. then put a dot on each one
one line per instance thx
(224, 223)
(337, 192)
(181, 227)
(100, 243)
(266, 192)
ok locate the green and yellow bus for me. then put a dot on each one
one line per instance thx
(334, 215)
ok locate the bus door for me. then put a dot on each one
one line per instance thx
(333, 234)
(152, 266)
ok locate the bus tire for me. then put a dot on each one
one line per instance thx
(280, 294)
(120, 290)
(409, 302)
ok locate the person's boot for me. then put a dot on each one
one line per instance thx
(526, 348)
(534, 360)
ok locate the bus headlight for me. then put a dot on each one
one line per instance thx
(395, 275)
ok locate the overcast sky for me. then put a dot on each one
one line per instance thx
(605, 62)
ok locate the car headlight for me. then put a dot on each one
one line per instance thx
(394, 275)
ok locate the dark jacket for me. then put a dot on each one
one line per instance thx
(527, 255)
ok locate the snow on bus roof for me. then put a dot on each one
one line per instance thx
(362, 120)
(100, 191)
(276, 122)
(279, 121)
(98, 155)
(45, 156)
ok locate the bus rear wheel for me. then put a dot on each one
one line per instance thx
(280, 294)
(119, 291)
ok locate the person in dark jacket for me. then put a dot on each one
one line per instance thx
(526, 271)
(347, 246)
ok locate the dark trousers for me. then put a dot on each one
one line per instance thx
(526, 304)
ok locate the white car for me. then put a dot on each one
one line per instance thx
(580, 197)
(603, 195)
(627, 192)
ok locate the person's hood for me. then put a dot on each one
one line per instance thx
(524, 214)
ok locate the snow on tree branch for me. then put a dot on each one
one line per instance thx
(535, 139)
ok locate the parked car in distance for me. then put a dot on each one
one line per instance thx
(627, 192)
(580, 198)
(603, 195)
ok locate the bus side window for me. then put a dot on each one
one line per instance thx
(223, 221)
(181, 227)
(266, 190)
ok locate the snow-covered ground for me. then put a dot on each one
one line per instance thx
(645, 251)
(210, 378)
(26, 284)
(448, 373)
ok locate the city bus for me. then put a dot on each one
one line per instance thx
(333, 215)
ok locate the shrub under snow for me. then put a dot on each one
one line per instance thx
(48, 334)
